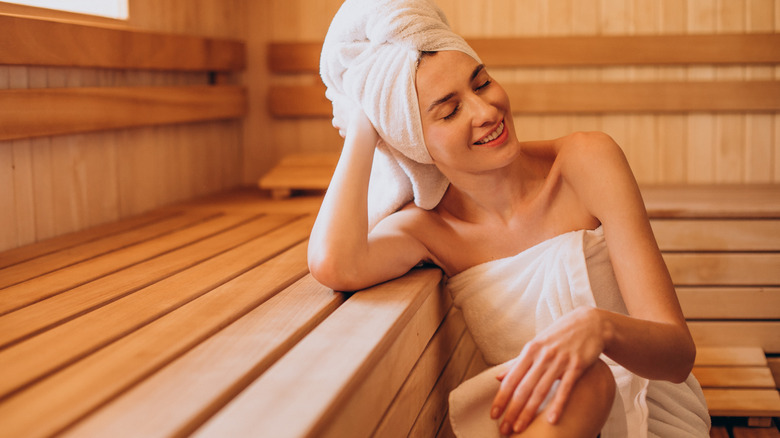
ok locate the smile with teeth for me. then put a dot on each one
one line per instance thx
(492, 135)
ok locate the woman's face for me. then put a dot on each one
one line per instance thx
(466, 119)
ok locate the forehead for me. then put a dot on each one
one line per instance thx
(443, 72)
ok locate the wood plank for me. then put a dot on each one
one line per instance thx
(734, 377)
(712, 200)
(402, 413)
(730, 302)
(30, 41)
(726, 269)
(56, 402)
(585, 50)
(56, 111)
(434, 412)
(584, 97)
(717, 234)
(730, 356)
(44, 247)
(774, 367)
(381, 312)
(756, 432)
(112, 286)
(184, 394)
(69, 256)
(24, 363)
(742, 402)
(737, 333)
(719, 432)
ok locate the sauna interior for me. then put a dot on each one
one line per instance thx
(53, 186)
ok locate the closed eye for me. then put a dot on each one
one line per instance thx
(453, 113)
(483, 86)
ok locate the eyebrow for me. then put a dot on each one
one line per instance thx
(449, 96)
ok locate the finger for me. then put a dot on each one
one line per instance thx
(512, 378)
(539, 395)
(522, 393)
(562, 396)
(500, 376)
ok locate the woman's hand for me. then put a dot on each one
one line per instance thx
(564, 351)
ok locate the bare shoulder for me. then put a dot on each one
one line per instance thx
(594, 165)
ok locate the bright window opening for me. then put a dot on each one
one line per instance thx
(104, 8)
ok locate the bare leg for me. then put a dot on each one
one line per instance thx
(586, 410)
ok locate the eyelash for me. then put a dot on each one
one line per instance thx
(455, 111)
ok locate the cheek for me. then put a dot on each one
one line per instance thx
(444, 140)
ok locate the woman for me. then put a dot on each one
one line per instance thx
(508, 198)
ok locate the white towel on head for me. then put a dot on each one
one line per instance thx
(370, 56)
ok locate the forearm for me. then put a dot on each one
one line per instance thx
(340, 233)
(655, 350)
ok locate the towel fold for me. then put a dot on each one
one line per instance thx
(370, 56)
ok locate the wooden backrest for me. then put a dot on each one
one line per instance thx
(308, 100)
(29, 113)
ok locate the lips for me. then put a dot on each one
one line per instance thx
(496, 134)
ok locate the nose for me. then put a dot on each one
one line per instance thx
(484, 113)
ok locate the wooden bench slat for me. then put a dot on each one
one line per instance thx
(402, 413)
(756, 432)
(353, 341)
(186, 392)
(730, 356)
(762, 334)
(742, 402)
(26, 113)
(724, 269)
(712, 201)
(303, 57)
(734, 377)
(717, 234)
(38, 316)
(730, 302)
(65, 241)
(54, 282)
(434, 412)
(48, 263)
(585, 97)
(719, 432)
(30, 41)
(43, 354)
(58, 401)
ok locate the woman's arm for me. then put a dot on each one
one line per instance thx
(653, 341)
(342, 255)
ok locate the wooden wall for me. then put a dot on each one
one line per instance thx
(692, 148)
(51, 186)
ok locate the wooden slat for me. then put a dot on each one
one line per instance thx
(762, 334)
(56, 402)
(382, 314)
(727, 269)
(717, 234)
(33, 250)
(719, 432)
(585, 97)
(114, 285)
(730, 302)
(55, 111)
(712, 201)
(208, 376)
(734, 377)
(29, 41)
(730, 356)
(756, 432)
(298, 57)
(401, 415)
(37, 267)
(743, 402)
(41, 355)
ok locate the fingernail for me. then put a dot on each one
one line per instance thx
(506, 428)
(495, 413)
(552, 418)
(519, 426)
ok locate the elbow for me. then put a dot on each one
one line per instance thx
(686, 357)
(328, 272)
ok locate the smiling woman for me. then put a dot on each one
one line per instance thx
(104, 8)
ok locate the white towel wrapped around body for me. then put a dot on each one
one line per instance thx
(370, 56)
(506, 302)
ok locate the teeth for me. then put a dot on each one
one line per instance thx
(494, 135)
